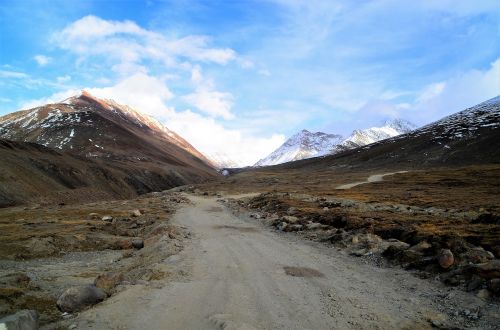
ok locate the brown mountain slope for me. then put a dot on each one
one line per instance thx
(139, 154)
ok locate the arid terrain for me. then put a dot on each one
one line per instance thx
(264, 249)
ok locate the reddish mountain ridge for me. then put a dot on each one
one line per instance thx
(131, 146)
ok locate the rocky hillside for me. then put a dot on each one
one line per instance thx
(134, 148)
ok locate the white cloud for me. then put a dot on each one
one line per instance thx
(54, 98)
(131, 45)
(211, 138)
(431, 91)
(13, 74)
(63, 79)
(440, 99)
(207, 99)
(42, 60)
(140, 91)
(264, 72)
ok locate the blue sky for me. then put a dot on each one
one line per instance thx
(237, 77)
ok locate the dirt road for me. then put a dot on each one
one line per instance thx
(371, 178)
(237, 274)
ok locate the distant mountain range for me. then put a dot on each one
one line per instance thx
(306, 144)
(468, 137)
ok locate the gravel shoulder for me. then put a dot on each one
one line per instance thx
(237, 274)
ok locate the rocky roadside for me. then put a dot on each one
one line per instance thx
(454, 261)
(61, 273)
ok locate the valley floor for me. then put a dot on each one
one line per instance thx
(237, 274)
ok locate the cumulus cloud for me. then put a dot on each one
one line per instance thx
(42, 60)
(63, 79)
(207, 99)
(132, 45)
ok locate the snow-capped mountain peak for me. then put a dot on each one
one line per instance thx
(304, 144)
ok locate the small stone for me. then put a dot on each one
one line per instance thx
(22, 320)
(494, 286)
(71, 327)
(136, 213)
(290, 219)
(138, 244)
(313, 226)
(107, 218)
(421, 247)
(282, 226)
(93, 216)
(446, 259)
(483, 294)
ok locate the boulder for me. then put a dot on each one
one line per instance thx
(108, 281)
(135, 213)
(77, 298)
(23, 320)
(446, 258)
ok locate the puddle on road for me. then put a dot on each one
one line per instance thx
(302, 272)
(242, 229)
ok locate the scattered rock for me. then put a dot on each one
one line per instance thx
(282, 226)
(43, 246)
(138, 243)
(483, 294)
(107, 218)
(314, 225)
(421, 247)
(446, 259)
(292, 210)
(22, 320)
(474, 283)
(108, 281)
(476, 255)
(79, 297)
(93, 216)
(135, 213)
(295, 228)
(290, 219)
(488, 270)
